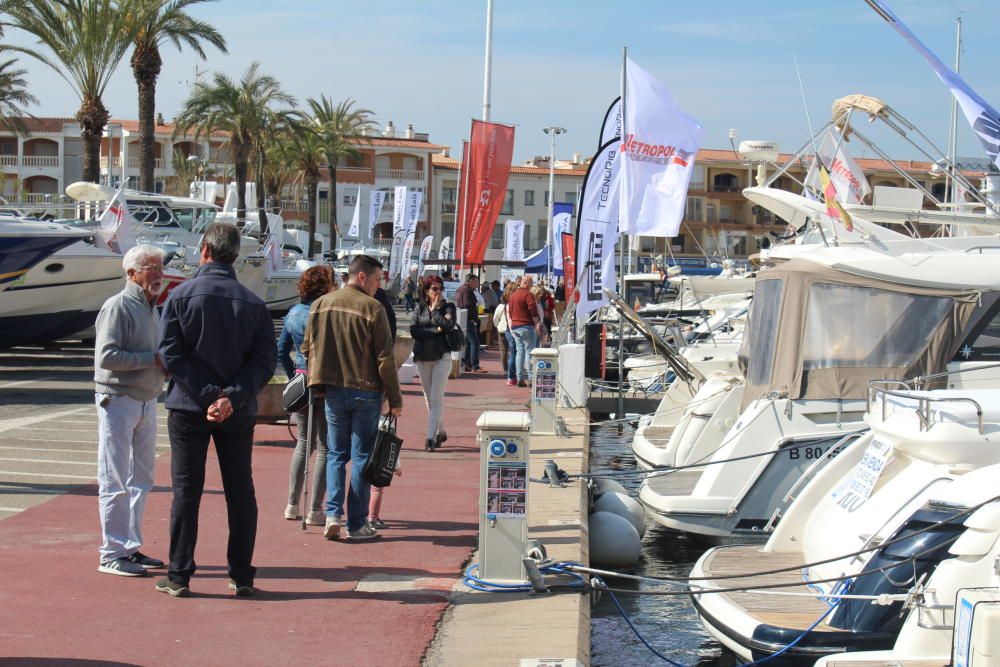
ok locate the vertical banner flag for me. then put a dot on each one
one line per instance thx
(376, 199)
(398, 231)
(568, 244)
(611, 128)
(491, 148)
(444, 252)
(425, 252)
(847, 177)
(460, 200)
(116, 233)
(983, 118)
(657, 156)
(597, 228)
(272, 247)
(562, 215)
(413, 202)
(830, 198)
(355, 229)
(513, 247)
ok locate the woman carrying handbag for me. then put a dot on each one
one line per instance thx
(432, 321)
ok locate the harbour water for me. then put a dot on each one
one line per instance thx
(668, 623)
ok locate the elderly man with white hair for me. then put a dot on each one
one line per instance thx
(128, 374)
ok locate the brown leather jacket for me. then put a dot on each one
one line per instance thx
(348, 344)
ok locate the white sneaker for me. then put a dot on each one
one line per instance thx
(332, 529)
(316, 518)
(292, 512)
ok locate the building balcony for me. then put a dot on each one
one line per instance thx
(400, 174)
(40, 161)
(136, 163)
(8, 160)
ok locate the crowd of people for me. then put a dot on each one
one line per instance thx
(214, 343)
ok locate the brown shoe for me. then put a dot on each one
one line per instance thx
(479, 370)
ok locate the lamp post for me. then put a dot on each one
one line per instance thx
(552, 131)
(199, 163)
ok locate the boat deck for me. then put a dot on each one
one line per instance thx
(658, 436)
(847, 662)
(680, 483)
(796, 612)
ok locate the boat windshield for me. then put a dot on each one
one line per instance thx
(194, 219)
(763, 329)
(849, 326)
(151, 213)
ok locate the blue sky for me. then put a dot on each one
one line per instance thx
(729, 63)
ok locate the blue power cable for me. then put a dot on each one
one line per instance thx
(638, 634)
(486, 586)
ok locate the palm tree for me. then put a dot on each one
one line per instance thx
(156, 22)
(86, 40)
(243, 110)
(340, 127)
(305, 152)
(14, 96)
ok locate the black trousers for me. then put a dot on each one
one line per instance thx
(189, 436)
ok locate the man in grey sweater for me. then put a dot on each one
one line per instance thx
(128, 375)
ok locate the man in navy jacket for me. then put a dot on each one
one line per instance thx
(218, 347)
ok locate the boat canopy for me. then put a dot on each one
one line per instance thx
(816, 332)
(874, 107)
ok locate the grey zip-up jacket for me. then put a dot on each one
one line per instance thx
(125, 351)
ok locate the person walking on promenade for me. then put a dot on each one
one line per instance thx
(465, 298)
(409, 288)
(525, 326)
(313, 283)
(349, 347)
(383, 297)
(434, 317)
(217, 343)
(128, 376)
(501, 320)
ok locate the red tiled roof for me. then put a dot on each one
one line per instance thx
(382, 142)
(54, 125)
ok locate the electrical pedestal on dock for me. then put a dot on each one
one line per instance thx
(544, 385)
(503, 495)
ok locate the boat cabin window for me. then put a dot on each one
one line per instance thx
(763, 329)
(849, 326)
(194, 219)
(152, 213)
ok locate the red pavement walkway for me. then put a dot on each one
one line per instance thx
(57, 606)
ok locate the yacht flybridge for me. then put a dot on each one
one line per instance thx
(824, 323)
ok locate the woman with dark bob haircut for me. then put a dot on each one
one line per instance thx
(314, 283)
(432, 320)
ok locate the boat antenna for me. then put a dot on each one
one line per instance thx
(802, 91)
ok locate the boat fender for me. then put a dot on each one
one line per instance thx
(624, 506)
(614, 541)
(599, 486)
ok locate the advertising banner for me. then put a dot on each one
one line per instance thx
(413, 201)
(444, 252)
(513, 247)
(562, 216)
(398, 231)
(356, 218)
(597, 228)
(569, 266)
(425, 252)
(375, 201)
(611, 128)
(491, 148)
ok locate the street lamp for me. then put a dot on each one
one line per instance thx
(552, 132)
(199, 163)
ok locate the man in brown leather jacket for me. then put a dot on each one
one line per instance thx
(349, 348)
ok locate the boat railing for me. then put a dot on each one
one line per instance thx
(878, 389)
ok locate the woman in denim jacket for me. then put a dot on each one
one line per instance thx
(314, 283)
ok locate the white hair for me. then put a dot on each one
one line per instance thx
(137, 255)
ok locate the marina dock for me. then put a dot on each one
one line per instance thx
(396, 600)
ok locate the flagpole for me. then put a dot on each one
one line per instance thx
(950, 183)
(460, 231)
(488, 67)
(621, 260)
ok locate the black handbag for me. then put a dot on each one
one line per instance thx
(455, 338)
(295, 395)
(385, 454)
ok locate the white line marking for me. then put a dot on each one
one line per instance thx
(12, 509)
(8, 385)
(68, 463)
(42, 474)
(17, 422)
(67, 451)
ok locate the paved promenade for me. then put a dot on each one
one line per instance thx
(319, 601)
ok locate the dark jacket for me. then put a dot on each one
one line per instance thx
(216, 338)
(293, 330)
(348, 344)
(429, 344)
(383, 297)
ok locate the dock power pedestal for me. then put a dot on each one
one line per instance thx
(503, 495)
(544, 390)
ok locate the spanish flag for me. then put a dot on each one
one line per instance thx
(833, 207)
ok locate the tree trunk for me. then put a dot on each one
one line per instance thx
(334, 227)
(312, 185)
(241, 165)
(92, 116)
(262, 222)
(146, 65)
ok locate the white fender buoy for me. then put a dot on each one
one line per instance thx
(625, 506)
(602, 485)
(614, 541)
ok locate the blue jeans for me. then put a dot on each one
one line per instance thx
(525, 339)
(471, 357)
(352, 423)
(511, 356)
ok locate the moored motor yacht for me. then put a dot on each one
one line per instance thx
(878, 547)
(24, 244)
